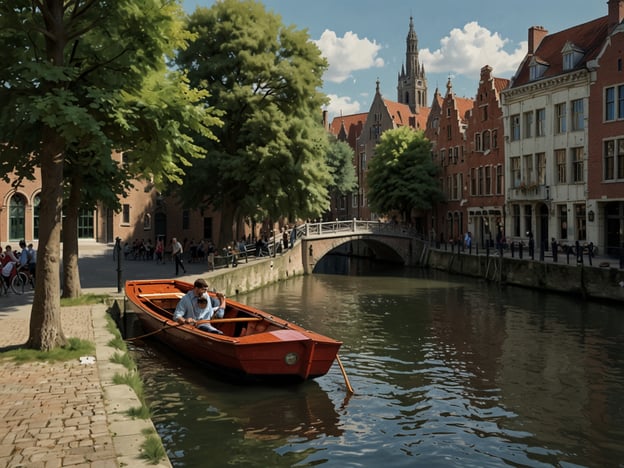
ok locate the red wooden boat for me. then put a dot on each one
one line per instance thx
(254, 343)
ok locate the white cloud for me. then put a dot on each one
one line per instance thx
(342, 105)
(347, 54)
(466, 51)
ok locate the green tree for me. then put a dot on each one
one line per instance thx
(402, 176)
(269, 158)
(69, 70)
(340, 162)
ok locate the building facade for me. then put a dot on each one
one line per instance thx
(605, 184)
(554, 111)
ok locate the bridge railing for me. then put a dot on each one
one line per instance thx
(354, 226)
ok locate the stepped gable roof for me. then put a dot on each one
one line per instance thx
(500, 84)
(464, 106)
(348, 127)
(402, 115)
(588, 37)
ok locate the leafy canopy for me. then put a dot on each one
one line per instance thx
(402, 176)
(268, 159)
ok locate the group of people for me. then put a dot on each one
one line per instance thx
(197, 307)
(11, 262)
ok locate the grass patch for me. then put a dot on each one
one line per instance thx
(132, 380)
(84, 299)
(118, 343)
(123, 359)
(73, 350)
(153, 450)
(142, 412)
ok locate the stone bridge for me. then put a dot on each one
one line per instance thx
(371, 239)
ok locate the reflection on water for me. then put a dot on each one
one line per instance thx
(447, 371)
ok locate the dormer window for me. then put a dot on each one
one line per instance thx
(537, 68)
(571, 56)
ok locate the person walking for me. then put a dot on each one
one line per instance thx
(176, 253)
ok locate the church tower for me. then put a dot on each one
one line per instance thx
(412, 83)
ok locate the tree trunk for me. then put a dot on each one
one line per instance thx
(45, 317)
(71, 274)
(226, 231)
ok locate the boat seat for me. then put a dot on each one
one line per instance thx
(163, 295)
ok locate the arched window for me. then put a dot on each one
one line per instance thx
(36, 207)
(17, 217)
(147, 222)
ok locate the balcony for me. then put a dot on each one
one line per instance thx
(528, 192)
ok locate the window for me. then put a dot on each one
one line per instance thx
(499, 179)
(540, 122)
(580, 222)
(614, 95)
(449, 132)
(613, 159)
(528, 169)
(17, 217)
(528, 124)
(36, 210)
(147, 222)
(515, 171)
(442, 156)
(563, 222)
(560, 118)
(609, 160)
(486, 140)
(541, 168)
(488, 180)
(125, 215)
(577, 164)
(609, 103)
(478, 142)
(362, 162)
(485, 112)
(515, 127)
(528, 215)
(354, 200)
(560, 160)
(85, 225)
(578, 118)
(480, 184)
(620, 159)
(473, 181)
(568, 61)
(494, 139)
(515, 218)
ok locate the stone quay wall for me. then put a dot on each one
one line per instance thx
(585, 281)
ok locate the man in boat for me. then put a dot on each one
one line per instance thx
(193, 307)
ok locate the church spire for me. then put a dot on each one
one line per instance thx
(412, 83)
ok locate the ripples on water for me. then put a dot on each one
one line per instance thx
(447, 372)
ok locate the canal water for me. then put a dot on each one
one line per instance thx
(447, 371)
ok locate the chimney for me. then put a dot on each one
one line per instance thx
(536, 34)
(616, 12)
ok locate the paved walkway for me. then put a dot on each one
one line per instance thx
(70, 413)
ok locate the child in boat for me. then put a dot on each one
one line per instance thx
(218, 305)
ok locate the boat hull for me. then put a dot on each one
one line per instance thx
(255, 345)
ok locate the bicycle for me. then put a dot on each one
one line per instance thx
(22, 281)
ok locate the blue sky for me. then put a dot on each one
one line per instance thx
(364, 40)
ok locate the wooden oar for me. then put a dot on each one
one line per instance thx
(165, 327)
(233, 319)
(344, 374)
